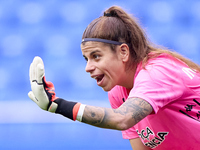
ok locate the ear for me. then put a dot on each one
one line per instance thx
(124, 52)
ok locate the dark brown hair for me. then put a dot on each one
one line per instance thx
(117, 25)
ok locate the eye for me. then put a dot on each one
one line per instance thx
(95, 56)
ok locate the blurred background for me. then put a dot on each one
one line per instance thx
(52, 30)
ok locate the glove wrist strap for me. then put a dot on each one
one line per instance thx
(67, 108)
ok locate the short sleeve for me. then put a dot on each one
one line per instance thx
(115, 97)
(159, 83)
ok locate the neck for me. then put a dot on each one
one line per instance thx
(129, 78)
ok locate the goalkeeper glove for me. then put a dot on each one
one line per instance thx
(43, 93)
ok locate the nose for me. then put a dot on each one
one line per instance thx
(89, 67)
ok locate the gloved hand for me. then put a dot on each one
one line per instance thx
(42, 93)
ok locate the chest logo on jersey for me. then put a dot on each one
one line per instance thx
(150, 139)
(192, 110)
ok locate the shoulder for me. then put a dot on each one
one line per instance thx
(164, 60)
(161, 66)
(162, 71)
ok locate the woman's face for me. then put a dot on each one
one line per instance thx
(104, 65)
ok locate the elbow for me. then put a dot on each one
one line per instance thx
(123, 127)
(124, 124)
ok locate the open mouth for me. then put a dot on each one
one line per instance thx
(99, 78)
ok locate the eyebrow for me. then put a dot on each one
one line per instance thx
(94, 52)
(91, 53)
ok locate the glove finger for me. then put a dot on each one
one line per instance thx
(33, 68)
(40, 73)
(32, 97)
(36, 71)
(39, 68)
(37, 60)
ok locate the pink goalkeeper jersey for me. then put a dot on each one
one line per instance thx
(173, 90)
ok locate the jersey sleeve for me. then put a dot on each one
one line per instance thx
(159, 84)
(115, 99)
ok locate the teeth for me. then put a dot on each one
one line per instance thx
(98, 78)
(95, 78)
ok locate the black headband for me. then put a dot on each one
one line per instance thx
(102, 40)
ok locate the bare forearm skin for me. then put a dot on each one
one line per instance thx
(122, 118)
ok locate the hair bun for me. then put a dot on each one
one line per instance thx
(107, 14)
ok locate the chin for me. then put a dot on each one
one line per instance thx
(107, 89)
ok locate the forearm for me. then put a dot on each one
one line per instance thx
(101, 117)
(122, 118)
(127, 115)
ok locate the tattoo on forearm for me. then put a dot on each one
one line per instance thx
(135, 109)
(93, 115)
(141, 109)
(138, 107)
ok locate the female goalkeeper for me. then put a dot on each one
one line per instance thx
(154, 92)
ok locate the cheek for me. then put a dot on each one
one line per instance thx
(114, 69)
(111, 65)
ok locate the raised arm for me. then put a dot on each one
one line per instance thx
(122, 118)
(127, 115)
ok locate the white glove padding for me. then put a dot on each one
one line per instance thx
(38, 93)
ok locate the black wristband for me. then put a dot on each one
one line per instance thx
(65, 107)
